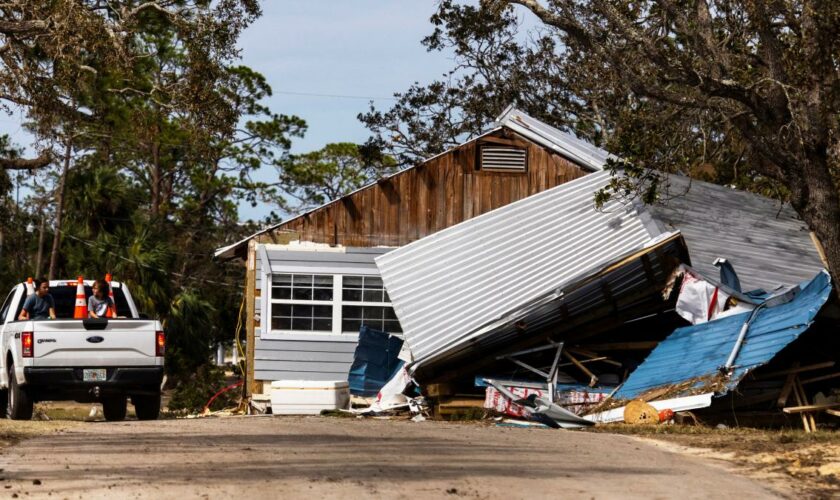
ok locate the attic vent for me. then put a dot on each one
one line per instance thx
(503, 158)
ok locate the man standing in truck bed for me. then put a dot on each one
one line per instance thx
(39, 305)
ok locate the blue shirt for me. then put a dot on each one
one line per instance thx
(39, 307)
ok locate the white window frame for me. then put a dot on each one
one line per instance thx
(361, 303)
(302, 302)
(338, 273)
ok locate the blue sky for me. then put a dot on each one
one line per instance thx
(367, 48)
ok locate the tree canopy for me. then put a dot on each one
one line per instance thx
(148, 135)
(738, 91)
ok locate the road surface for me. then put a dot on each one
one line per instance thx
(319, 457)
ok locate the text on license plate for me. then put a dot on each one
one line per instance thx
(94, 374)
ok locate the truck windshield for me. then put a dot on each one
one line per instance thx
(65, 301)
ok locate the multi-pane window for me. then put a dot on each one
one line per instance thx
(323, 303)
(302, 302)
(365, 302)
(377, 317)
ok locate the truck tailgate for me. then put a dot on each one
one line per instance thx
(122, 342)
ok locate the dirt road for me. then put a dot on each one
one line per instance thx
(265, 457)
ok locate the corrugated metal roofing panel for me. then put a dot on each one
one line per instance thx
(553, 313)
(564, 143)
(764, 240)
(697, 352)
(448, 286)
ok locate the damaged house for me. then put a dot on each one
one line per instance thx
(492, 262)
(602, 290)
(312, 280)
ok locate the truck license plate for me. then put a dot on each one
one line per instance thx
(94, 374)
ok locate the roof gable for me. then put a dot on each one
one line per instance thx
(583, 155)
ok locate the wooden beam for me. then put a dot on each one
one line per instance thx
(808, 408)
(622, 346)
(504, 142)
(800, 401)
(820, 249)
(787, 387)
(798, 369)
(593, 355)
(833, 412)
(649, 274)
(821, 378)
(797, 384)
(593, 380)
(250, 313)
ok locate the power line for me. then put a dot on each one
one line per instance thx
(334, 96)
(93, 244)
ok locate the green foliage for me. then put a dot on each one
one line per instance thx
(731, 91)
(164, 131)
(314, 178)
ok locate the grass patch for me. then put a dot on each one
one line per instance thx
(13, 431)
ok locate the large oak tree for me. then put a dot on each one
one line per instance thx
(746, 89)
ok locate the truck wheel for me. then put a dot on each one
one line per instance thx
(146, 407)
(19, 404)
(114, 408)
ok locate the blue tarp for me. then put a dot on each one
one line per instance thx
(374, 362)
(698, 352)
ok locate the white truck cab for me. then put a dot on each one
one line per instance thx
(107, 360)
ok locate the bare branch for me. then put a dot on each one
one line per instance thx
(26, 164)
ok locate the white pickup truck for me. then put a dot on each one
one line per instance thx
(86, 360)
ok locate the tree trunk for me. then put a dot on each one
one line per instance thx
(59, 211)
(40, 256)
(822, 212)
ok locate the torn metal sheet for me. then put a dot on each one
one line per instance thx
(676, 404)
(693, 359)
(544, 410)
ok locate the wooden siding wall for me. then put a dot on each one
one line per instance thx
(432, 196)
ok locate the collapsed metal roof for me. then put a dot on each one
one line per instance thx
(762, 238)
(471, 284)
(689, 361)
(452, 286)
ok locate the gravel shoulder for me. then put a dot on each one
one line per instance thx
(321, 457)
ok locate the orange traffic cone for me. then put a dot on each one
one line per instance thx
(111, 312)
(30, 286)
(81, 307)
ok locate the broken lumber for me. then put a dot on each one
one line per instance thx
(821, 378)
(788, 387)
(809, 408)
(796, 369)
(593, 380)
(438, 390)
(622, 346)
